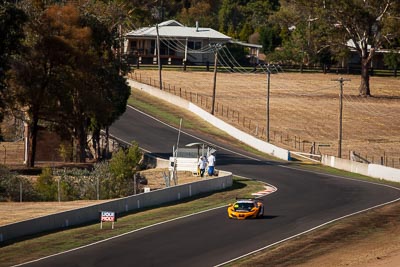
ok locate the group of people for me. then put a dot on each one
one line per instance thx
(205, 162)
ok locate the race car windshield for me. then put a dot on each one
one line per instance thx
(244, 206)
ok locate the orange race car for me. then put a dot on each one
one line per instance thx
(245, 208)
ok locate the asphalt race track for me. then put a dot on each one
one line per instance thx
(304, 200)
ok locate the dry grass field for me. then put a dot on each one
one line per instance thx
(20, 211)
(304, 108)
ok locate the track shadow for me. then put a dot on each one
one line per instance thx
(268, 217)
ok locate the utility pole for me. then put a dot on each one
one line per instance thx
(268, 93)
(158, 57)
(340, 128)
(215, 81)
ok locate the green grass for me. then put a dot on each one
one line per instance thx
(47, 244)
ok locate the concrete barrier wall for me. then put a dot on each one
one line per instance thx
(218, 123)
(373, 170)
(75, 217)
(384, 172)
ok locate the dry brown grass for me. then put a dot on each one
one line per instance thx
(19, 211)
(304, 108)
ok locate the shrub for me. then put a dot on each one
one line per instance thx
(123, 166)
(46, 186)
(13, 187)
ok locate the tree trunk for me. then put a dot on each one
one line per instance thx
(96, 143)
(32, 141)
(80, 144)
(364, 89)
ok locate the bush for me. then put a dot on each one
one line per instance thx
(11, 186)
(123, 166)
(46, 186)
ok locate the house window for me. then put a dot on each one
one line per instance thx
(195, 45)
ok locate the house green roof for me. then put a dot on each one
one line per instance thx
(174, 29)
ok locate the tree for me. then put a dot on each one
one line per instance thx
(46, 186)
(96, 92)
(361, 25)
(31, 86)
(12, 21)
(123, 166)
(203, 12)
(392, 60)
(270, 37)
(68, 75)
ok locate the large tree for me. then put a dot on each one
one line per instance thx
(12, 20)
(360, 25)
(67, 75)
(33, 72)
(93, 92)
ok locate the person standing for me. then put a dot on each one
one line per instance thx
(202, 165)
(211, 164)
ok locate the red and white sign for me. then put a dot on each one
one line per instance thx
(107, 216)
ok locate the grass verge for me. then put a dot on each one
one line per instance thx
(46, 244)
(171, 114)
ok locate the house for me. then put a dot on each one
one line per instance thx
(178, 44)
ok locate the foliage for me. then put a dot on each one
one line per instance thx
(123, 167)
(11, 185)
(12, 20)
(392, 60)
(65, 152)
(363, 26)
(204, 12)
(67, 75)
(76, 184)
(102, 175)
(270, 37)
(46, 186)
(234, 51)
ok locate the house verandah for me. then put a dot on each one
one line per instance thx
(179, 44)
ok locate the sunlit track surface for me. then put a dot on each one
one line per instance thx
(304, 200)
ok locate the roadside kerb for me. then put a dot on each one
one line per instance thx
(64, 220)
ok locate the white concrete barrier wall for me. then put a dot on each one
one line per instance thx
(220, 124)
(91, 213)
(372, 170)
(384, 172)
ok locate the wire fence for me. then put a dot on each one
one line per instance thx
(255, 128)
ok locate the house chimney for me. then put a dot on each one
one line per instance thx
(197, 26)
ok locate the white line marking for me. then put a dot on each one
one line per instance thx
(133, 231)
(305, 232)
(193, 136)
